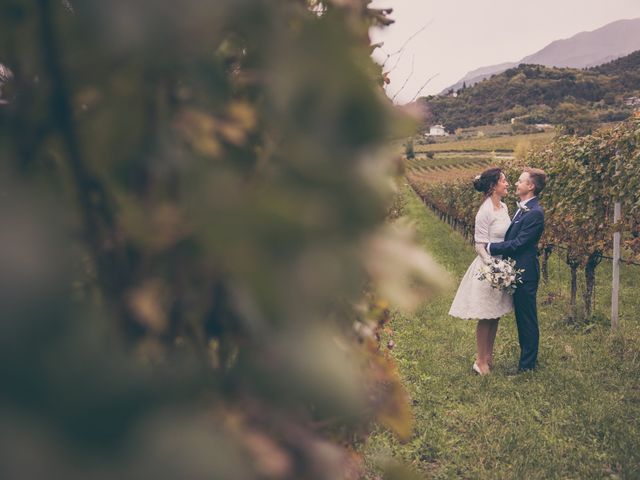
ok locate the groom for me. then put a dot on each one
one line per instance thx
(521, 244)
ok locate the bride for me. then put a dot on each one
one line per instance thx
(476, 299)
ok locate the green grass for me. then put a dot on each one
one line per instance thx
(577, 416)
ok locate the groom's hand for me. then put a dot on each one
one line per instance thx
(528, 235)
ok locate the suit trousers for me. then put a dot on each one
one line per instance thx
(524, 300)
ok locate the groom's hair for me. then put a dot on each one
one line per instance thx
(538, 178)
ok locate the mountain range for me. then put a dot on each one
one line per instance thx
(583, 50)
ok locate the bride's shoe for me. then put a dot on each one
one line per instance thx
(476, 369)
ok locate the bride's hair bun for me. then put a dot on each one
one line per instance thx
(487, 180)
(479, 184)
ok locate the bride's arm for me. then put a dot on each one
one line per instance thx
(481, 233)
(481, 249)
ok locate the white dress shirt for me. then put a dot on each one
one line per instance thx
(523, 203)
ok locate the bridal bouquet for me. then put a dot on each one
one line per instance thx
(502, 274)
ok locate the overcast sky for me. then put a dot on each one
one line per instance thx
(467, 34)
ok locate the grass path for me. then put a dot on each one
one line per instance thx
(577, 416)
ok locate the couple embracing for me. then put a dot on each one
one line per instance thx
(498, 235)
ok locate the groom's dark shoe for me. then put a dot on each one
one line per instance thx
(522, 371)
(518, 371)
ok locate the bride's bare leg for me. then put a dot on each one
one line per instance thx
(483, 330)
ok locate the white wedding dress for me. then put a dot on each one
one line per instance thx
(476, 299)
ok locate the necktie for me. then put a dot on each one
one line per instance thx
(516, 215)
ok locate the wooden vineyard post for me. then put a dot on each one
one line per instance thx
(616, 268)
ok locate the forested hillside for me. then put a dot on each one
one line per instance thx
(537, 94)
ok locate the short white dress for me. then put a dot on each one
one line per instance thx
(477, 299)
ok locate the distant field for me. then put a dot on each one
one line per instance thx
(448, 161)
(487, 130)
(483, 144)
(446, 167)
(445, 175)
(463, 159)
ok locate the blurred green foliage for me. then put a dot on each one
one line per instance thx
(194, 204)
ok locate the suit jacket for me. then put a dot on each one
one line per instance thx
(521, 241)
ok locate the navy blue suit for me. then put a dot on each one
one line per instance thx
(521, 244)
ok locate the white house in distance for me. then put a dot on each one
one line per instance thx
(632, 102)
(437, 131)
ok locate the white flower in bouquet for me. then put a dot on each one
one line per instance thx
(502, 274)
